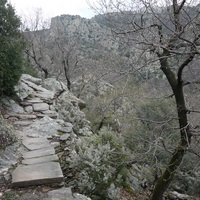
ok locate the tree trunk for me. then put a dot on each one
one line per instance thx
(180, 150)
(67, 78)
(185, 136)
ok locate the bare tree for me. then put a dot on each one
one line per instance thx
(170, 31)
(67, 51)
(55, 49)
(33, 27)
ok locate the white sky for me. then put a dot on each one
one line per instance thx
(51, 8)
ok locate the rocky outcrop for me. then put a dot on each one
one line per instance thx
(48, 99)
(46, 116)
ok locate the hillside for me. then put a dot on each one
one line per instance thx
(126, 86)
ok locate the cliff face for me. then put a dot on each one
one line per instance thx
(70, 47)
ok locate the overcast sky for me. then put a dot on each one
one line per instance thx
(51, 8)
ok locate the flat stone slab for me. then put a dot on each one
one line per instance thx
(39, 153)
(40, 107)
(34, 100)
(35, 143)
(22, 116)
(26, 116)
(32, 161)
(38, 174)
(22, 123)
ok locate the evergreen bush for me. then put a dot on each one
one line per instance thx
(11, 48)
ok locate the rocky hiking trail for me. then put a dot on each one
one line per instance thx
(39, 165)
(36, 172)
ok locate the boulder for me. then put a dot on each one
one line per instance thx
(27, 89)
(23, 90)
(54, 85)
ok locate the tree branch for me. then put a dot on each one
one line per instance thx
(191, 82)
(183, 65)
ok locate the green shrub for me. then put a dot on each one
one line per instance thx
(7, 136)
(11, 49)
(101, 161)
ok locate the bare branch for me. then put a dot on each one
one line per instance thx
(183, 65)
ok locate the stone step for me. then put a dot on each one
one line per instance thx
(37, 174)
(36, 143)
(31, 161)
(39, 152)
(22, 123)
(39, 165)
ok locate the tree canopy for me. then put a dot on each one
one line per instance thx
(11, 48)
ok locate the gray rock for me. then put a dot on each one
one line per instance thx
(32, 85)
(44, 127)
(50, 113)
(28, 109)
(61, 194)
(35, 143)
(54, 85)
(38, 174)
(80, 197)
(27, 116)
(31, 78)
(55, 144)
(38, 107)
(176, 195)
(22, 123)
(65, 194)
(12, 105)
(64, 137)
(23, 90)
(31, 161)
(34, 100)
(33, 196)
(22, 116)
(66, 129)
(51, 107)
(39, 153)
(38, 91)
(53, 116)
(68, 124)
(45, 95)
